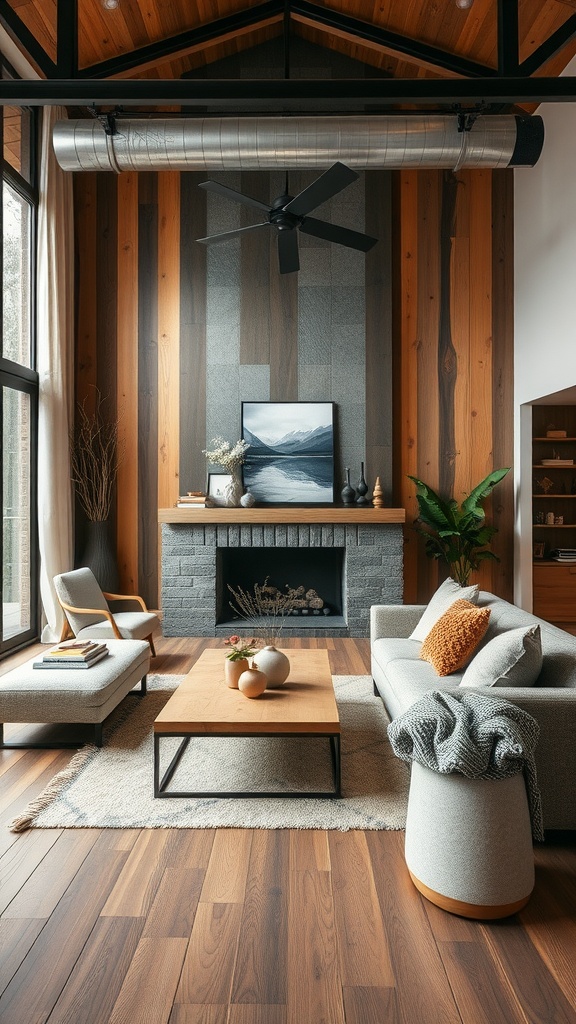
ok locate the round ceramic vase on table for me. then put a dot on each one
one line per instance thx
(274, 664)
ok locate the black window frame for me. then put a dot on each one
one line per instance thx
(21, 378)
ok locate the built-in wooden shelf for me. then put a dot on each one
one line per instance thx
(285, 514)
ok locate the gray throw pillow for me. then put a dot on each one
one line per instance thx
(447, 593)
(513, 658)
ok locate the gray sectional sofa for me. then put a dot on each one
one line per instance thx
(401, 677)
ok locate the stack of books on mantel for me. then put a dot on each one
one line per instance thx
(73, 654)
(563, 555)
(194, 499)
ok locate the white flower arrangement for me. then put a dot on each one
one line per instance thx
(226, 455)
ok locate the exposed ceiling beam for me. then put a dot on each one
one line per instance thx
(508, 47)
(280, 95)
(67, 38)
(387, 42)
(187, 42)
(550, 48)
(17, 31)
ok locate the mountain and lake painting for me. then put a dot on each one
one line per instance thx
(291, 455)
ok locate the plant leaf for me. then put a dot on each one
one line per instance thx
(433, 510)
(471, 503)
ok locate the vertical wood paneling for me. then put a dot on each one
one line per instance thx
(503, 376)
(127, 390)
(406, 361)
(86, 219)
(378, 330)
(255, 274)
(148, 277)
(458, 412)
(192, 333)
(168, 338)
(107, 291)
(283, 332)
(447, 361)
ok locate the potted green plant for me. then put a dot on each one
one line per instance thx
(457, 533)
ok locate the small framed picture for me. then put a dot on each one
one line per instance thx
(217, 483)
(539, 549)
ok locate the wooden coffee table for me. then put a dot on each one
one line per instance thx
(204, 706)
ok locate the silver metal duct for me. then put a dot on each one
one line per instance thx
(278, 143)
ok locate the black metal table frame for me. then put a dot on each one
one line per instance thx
(161, 784)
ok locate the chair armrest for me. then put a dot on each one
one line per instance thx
(127, 597)
(394, 620)
(105, 613)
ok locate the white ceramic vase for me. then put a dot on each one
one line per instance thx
(274, 664)
(233, 490)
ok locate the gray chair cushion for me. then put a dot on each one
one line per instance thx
(80, 589)
(510, 659)
(132, 625)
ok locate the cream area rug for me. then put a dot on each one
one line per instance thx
(112, 786)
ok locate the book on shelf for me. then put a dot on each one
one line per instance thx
(205, 503)
(60, 663)
(78, 652)
(557, 462)
(563, 555)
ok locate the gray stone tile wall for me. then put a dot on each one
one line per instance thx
(373, 571)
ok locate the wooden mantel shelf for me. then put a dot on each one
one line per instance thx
(285, 514)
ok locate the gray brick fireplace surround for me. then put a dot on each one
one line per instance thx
(372, 571)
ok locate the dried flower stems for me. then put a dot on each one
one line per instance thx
(264, 610)
(94, 459)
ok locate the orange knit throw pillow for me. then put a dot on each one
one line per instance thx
(454, 638)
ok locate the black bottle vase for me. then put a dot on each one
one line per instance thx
(361, 488)
(348, 494)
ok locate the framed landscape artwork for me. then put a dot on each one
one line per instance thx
(291, 454)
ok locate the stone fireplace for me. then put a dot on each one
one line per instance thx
(356, 563)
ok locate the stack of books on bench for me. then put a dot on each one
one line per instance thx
(73, 654)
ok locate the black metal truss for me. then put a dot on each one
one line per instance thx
(372, 94)
(481, 85)
(165, 48)
(16, 29)
(550, 47)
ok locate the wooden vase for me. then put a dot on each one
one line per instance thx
(233, 670)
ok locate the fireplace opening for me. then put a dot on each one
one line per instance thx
(317, 575)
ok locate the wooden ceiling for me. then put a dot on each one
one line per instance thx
(405, 39)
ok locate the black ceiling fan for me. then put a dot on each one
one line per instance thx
(288, 213)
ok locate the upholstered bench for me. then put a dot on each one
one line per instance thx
(77, 695)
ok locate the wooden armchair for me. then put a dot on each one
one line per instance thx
(87, 614)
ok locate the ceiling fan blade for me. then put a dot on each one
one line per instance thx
(288, 258)
(335, 233)
(224, 236)
(327, 185)
(231, 193)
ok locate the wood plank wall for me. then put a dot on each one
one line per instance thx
(141, 333)
(454, 353)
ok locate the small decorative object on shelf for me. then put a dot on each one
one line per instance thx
(545, 484)
(348, 494)
(378, 496)
(252, 683)
(247, 500)
(552, 432)
(230, 457)
(361, 488)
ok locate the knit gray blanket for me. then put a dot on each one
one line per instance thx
(479, 737)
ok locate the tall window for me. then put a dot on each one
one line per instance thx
(18, 378)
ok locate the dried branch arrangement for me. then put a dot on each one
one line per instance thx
(94, 458)
(264, 610)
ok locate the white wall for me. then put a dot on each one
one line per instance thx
(545, 301)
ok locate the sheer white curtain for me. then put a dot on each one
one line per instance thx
(55, 362)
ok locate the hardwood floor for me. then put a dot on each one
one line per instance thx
(240, 926)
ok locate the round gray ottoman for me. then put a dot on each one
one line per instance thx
(469, 842)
